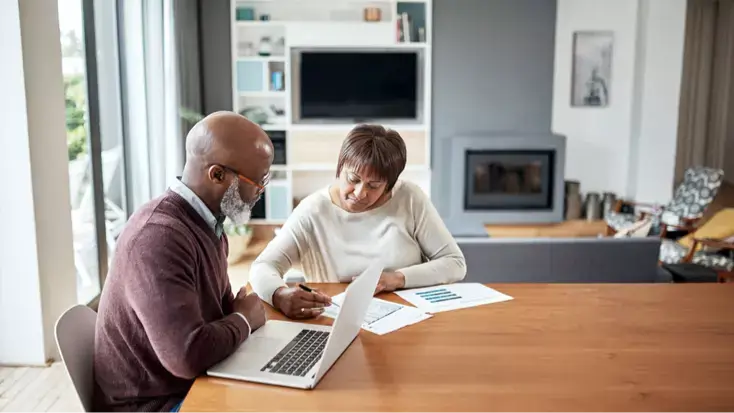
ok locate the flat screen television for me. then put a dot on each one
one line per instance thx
(357, 85)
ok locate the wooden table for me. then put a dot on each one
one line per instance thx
(566, 229)
(566, 347)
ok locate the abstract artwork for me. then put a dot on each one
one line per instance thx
(592, 68)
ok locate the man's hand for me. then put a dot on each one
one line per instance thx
(297, 303)
(250, 306)
(390, 281)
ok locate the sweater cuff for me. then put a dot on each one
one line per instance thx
(249, 329)
(240, 324)
(412, 277)
(267, 286)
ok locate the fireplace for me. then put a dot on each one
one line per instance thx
(504, 178)
(508, 179)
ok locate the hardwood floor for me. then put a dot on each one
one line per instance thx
(46, 389)
(37, 389)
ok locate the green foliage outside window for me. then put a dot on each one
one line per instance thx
(76, 132)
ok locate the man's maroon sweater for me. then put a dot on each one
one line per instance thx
(165, 313)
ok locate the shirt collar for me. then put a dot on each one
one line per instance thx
(196, 203)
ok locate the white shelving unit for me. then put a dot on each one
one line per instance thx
(264, 81)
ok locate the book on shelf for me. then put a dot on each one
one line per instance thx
(406, 27)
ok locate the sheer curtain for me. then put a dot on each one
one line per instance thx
(160, 74)
(707, 88)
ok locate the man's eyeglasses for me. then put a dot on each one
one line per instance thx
(260, 186)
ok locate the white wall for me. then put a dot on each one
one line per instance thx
(37, 276)
(664, 32)
(628, 147)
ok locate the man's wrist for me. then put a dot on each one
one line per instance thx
(249, 329)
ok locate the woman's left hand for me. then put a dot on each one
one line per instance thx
(390, 281)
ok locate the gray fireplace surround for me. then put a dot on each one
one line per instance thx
(469, 222)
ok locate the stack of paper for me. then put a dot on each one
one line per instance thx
(452, 296)
(382, 316)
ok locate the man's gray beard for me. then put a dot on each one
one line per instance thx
(233, 207)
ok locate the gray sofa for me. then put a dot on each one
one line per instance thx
(562, 260)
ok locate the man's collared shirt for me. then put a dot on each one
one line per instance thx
(196, 203)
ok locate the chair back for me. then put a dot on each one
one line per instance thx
(75, 340)
(698, 189)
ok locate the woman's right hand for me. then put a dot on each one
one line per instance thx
(299, 304)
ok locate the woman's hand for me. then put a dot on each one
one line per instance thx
(390, 281)
(297, 303)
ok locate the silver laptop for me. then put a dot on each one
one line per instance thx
(293, 354)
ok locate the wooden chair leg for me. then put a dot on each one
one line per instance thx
(724, 276)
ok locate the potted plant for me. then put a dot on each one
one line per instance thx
(239, 237)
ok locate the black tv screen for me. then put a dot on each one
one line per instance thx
(358, 85)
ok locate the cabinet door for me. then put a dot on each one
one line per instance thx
(279, 204)
(250, 77)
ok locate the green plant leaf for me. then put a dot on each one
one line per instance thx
(190, 115)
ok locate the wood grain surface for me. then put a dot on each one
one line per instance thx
(577, 228)
(565, 347)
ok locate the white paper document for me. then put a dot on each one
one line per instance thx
(382, 316)
(452, 296)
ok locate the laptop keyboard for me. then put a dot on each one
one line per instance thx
(300, 355)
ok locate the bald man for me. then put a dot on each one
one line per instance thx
(167, 312)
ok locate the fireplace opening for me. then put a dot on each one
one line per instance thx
(509, 179)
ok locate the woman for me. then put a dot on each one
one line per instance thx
(367, 215)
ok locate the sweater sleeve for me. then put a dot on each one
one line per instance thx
(164, 296)
(266, 272)
(445, 261)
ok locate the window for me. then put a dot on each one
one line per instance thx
(94, 137)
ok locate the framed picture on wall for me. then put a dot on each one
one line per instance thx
(592, 68)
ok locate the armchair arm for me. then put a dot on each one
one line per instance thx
(709, 242)
(647, 205)
(715, 243)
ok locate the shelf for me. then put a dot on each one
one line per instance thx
(264, 94)
(413, 45)
(273, 127)
(262, 59)
(261, 221)
(260, 23)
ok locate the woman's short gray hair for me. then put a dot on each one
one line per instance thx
(375, 150)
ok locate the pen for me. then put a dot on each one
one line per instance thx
(307, 289)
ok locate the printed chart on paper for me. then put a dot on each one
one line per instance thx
(452, 297)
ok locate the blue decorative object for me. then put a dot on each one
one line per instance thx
(245, 14)
(277, 80)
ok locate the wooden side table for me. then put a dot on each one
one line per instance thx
(578, 228)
